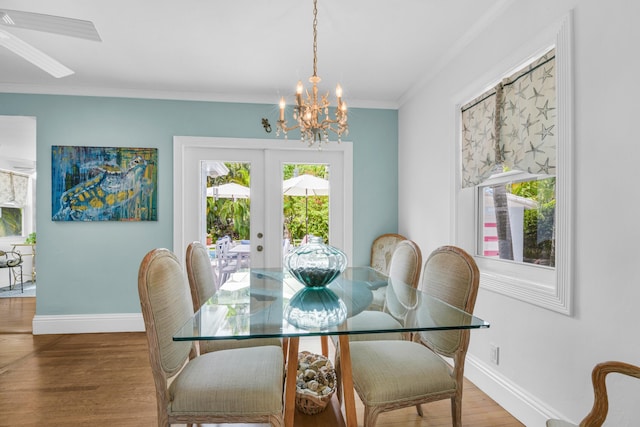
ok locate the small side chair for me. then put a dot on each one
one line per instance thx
(12, 261)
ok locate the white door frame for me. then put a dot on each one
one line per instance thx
(340, 234)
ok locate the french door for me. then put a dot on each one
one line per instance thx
(195, 158)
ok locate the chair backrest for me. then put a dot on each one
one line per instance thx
(382, 250)
(11, 259)
(166, 306)
(600, 407)
(451, 275)
(202, 281)
(404, 269)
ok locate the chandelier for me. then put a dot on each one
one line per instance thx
(312, 113)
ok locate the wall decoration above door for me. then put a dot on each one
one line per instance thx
(104, 183)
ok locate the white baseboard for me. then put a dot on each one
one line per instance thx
(518, 402)
(87, 323)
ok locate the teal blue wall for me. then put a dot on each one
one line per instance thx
(92, 267)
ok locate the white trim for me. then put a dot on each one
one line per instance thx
(87, 323)
(555, 291)
(114, 92)
(528, 409)
(182, 144)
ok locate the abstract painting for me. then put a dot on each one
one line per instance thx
(104, 183)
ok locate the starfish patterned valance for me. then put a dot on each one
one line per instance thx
(512, 125)
(13, 188)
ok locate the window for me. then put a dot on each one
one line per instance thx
(526, 231)
(515, 158)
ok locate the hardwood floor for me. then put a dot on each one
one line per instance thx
(105, 380)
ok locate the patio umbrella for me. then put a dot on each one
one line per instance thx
(229, 191)
(215, 169)
(305, 185)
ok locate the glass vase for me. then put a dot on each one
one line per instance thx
(315, 264)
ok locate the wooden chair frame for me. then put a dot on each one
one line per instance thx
(598, 413)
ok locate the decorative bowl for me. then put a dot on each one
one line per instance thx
(315, 264)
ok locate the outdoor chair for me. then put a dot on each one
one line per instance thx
(227, 262)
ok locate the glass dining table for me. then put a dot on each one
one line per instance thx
(259, 303)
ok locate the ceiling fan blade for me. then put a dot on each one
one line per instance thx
(33, 55)
(49, 23)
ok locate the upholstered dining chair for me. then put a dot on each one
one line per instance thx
(242, 385)
(600, 407)
(382, 250)
(404, 268)
(389, 375)
(203, 285)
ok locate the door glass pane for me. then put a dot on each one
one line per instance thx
(305, 203)
(228, 217)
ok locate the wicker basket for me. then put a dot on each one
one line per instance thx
(315, 383)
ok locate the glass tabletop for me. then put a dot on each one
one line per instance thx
(261, 303)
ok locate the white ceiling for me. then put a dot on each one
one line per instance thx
(248, 50)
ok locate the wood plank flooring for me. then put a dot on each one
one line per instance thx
(105, 380)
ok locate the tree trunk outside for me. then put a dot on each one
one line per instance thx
(503, 225)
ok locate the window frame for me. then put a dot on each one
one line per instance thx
(547, 287)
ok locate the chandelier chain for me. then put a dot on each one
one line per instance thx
(315, 38)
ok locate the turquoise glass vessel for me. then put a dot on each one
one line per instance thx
(315, 265)
(315, 309)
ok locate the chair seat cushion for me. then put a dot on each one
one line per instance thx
(389, 372)
(374, 320)
(213, 384)
(216, 345)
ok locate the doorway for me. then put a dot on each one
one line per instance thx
(196, 157)
(17, 203)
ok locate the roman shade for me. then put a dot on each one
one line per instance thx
(512, 126)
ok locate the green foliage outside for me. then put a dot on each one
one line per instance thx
(539, 224)
(229, 217)
(232, 217)
(294, 207)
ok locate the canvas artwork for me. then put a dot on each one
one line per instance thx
(104, 183)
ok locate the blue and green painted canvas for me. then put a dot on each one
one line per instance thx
(104, 183)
